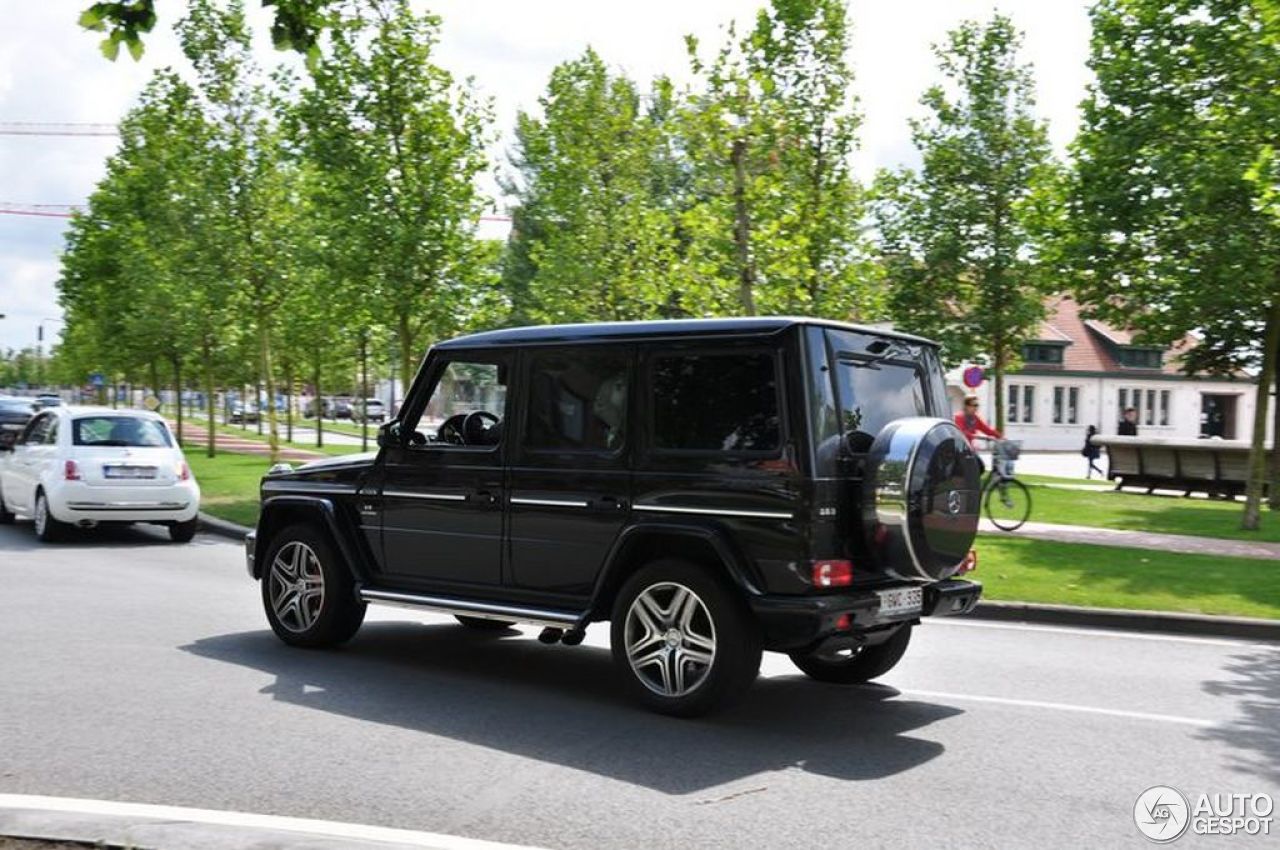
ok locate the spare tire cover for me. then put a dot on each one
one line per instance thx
(921, 498)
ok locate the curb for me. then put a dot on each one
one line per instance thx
(222, 527)
(1248, 628)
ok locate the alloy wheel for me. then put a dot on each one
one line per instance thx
(296, 586)
(670, 639)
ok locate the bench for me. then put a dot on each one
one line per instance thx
(1216, 467)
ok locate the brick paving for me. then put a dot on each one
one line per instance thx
(1181, 543)
(195, 434)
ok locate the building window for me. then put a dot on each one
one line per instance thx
(1066, 405)
(1036, 352)
(1150, 410)
(1164, 407)
(1141, 358)
(1021, 406)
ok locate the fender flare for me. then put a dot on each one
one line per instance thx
(736, 567)
(317, 506)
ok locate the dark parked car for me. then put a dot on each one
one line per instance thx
(15, 413)
(712, 488)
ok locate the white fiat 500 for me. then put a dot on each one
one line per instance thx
(86, 466)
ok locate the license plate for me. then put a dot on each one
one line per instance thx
(900, 602)
(129, 471)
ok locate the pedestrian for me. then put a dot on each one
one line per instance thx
(972, 425)
(1129, 424)
(1092, 452)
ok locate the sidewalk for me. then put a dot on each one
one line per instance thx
(195, 434)
(1182, 543)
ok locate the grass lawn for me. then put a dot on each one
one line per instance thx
(1020, 569)
(1140, 512)
(229, 484)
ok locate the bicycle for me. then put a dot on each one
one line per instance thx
(1006, 499)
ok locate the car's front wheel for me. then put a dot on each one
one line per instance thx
(683, 642)
(48, 528)
(308, 594)
(853, 666)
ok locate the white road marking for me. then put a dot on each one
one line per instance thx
(1063, 706)
(332, 829)
(1100, 631)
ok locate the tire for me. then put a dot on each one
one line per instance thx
(48, 528)
(6, 518)
(863, 665)
(668, 618)
(1008, 504)
(483, 625)
(307, 592)
(183, 532)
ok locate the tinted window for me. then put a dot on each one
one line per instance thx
(119, 431)
(716, 402)
(466, 388)
(577, 403)
(879, 380)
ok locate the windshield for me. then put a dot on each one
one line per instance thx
(120, 431)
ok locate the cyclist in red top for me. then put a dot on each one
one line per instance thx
(971, 423)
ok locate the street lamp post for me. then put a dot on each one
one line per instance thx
(39, 348)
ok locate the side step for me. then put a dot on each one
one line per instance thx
(545, 617)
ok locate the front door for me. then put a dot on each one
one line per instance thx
(1218, 416)
(570, 489)
(442, 490)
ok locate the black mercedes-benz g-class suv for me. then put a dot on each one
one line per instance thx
(712, 488)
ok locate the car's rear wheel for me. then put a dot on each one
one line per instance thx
(483, 625)
(308, 594)
(852, 666)
(48, 528)
(684, 644)
(183, 532)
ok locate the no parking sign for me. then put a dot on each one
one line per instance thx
(973, 377)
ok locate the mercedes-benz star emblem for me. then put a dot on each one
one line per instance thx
(953, 502)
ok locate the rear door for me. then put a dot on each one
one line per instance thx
(570, 489)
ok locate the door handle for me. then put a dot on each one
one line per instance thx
(484, 498)
(609, 503)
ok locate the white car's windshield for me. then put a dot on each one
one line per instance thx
(120, 431)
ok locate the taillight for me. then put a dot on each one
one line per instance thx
(969, 564)
(70, 471)
(832, 573)
(184, 471)
(844, 622)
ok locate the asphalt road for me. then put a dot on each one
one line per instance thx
(136, 670)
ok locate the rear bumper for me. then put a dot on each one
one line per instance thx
(796, 622)
(75, 501)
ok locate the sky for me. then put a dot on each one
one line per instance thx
(51, 72)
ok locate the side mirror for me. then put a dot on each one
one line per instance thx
(389, 435)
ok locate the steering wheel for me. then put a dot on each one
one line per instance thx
(450, 431)
(474, 431)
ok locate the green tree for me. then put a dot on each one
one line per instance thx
(959, 237)
(592, 238)
(1167, 221)
(774, 214)
(399, 145)
(296, 27)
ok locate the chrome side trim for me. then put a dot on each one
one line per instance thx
(673, 509)
(550, 503)
(127, 506)
(430, 497)
(471, 608)
(303, 488)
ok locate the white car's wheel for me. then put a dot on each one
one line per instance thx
(6, 516)
(48, 528)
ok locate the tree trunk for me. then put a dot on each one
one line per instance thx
(1273, 471)
(1257, 447)
(155, 381)
(273, 425)
(364, 391)
(405, 340)
(997, 361)
(742, 229)
(177, 388)
(288, 401)
(319, 402)
(210, 402)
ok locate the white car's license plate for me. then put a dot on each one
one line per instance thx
(129, 472)
(900, 602)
